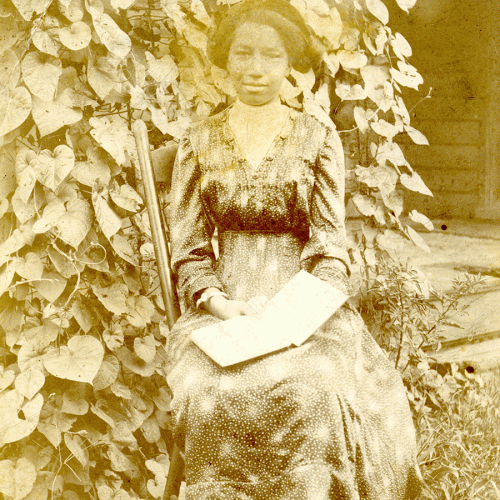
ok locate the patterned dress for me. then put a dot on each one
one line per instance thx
(327, 420)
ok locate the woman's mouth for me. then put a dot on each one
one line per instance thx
(254, 86)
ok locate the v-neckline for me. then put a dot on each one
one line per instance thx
(251, 170)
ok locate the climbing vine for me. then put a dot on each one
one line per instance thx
(84, 402)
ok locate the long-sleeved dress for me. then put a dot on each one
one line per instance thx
(326, 420)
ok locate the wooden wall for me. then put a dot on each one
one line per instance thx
(449, 40)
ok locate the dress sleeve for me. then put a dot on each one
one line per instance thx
(325, 253)
(190, 229)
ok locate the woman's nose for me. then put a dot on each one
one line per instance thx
(256, 66)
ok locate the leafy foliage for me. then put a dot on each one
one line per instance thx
(456, 413)
(83, 397)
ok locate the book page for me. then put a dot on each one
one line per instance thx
(289, 318)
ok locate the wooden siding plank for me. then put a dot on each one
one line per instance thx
(440, 156)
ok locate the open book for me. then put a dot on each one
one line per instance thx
(289, 318)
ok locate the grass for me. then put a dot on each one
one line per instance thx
(460, 443)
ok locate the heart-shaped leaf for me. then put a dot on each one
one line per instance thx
(352, 59)
(406, 4)
(163, 71)
(54, 423)
(76, 446)
(79, 360)
(50, 116)
(125, 197)
(26, 173)
(29, 7)
(114, 137)
(73, 10)
(102, 76)
(123, 248)
(145, 348)
(140, 311)
(73, 404)
(50, 286)
(7, 272)
(29, 382)
(415, 183)
(75, 37)
(6, 379)
(379, 10)
(112, 297)
(113, 38)
(10, 70)
(108, 372)
(157, 485)
(108, 221)
(43, 40)
(41, 74)
(13, 428)
(417, 239)
(421, 219)
(54, 167)
(15, 107)
(87, 172)
(416, 136)
(17, 480)
(29, 267)
(134, 363)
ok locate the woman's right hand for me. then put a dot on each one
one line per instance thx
(223, 308)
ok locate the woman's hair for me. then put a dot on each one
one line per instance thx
(277, 14)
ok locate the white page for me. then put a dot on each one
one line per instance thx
(290, 317)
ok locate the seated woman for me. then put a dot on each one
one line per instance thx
(328, 419)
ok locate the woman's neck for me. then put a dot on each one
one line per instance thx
(257, 112)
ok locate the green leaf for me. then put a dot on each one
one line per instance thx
(350, 93)
(29, 382)
(76, 36)
(393, 201)
(157, 485)
(75, 445)
(151, 430)
(84, 315)
(134, 363)
(88, 172)
(74, 404)
(7, 272)
(26, 173)
(53, 423)
(29, 7)
(406, 4)
(6, 379)
(378, 86)
(379, 10)
(145, 348)
(416, 136)
(23, 211)
(108, 372)
(113, 38)
(140, 311)
(385, 129)
(119, 461)
(401, 46)
(102, 77)
(64, 266)
(125, 197)
(73, 10)
(10, 70)
(109, 222)
(13, 428)
(29, 267)
(79, 360)
(15, 107)
(415, 183)
(11, 32)
(114, 137)
(113, 336)
(163, 71)
(54, 167)
(421, 219)
(43, 40)
(41, 74)
(382, 177)
(123, 248)
(51, 286)
(122, 4)
(367, 205)
(18, 239)
(352, 59)
(407, 75)
(417, 239)
(50, 116)
(112, 297)
(329, 28)
(18, 479)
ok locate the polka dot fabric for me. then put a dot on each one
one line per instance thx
(323, 421)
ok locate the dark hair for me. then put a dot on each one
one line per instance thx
(277, 14)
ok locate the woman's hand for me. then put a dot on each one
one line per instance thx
(223, 308)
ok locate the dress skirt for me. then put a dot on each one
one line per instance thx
(323, 421)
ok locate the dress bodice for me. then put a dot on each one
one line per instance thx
(297, 188)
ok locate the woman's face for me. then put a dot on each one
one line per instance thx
(257, 63)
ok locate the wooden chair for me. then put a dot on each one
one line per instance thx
(157, 167)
